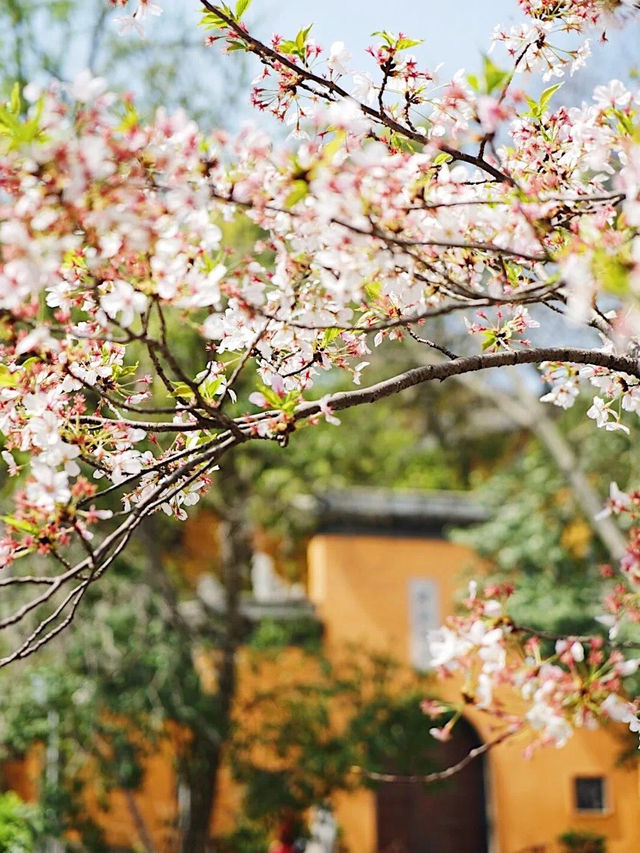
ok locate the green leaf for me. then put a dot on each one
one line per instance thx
(488, 339)
(274, 400)
(372, 290)
(288, 47)
(290, 402)
(333, 146)
(299, 190)
(396, 43)
(130, 118)
(120, 372)
(301, 38)
(494, 77)
(7, 379)
(546, 96)
(611, 272)
(14, 105)
(385, 36)
(19, 524)
(209, 262)
(181, 389)
(211, 21)
(402, 143)
(442, 158)
(241, 8)
(8, 120)
(329, 336)
(537, 108)
(473, 81)
(297, 47)
(209, 387)
(534, 108)
(19, 132)
(34, 359)
(404, 44)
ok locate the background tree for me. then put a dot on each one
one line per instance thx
(538, 535)
(55, 39)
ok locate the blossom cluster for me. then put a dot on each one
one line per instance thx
(619, 392)
(576, 683)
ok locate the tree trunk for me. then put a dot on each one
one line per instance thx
(199, 777)
(201, 766)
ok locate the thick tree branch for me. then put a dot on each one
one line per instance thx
(470, 364)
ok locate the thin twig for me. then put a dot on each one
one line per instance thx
(440, 775)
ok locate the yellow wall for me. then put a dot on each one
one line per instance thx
(360, 587)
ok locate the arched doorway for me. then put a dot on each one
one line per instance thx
(444, 818)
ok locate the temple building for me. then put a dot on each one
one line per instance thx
(382, 572)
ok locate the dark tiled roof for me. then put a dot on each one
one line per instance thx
(389, 511)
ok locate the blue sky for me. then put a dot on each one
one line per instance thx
(454, 31)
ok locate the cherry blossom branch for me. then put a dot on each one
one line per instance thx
(162, 464)
(358, 232)
(147, 426)
(432, 344)
(614, 198)
(412, 319)
(331, 88)
(444, 244)
(29, 647)
(102, 557)
(243, 361)
(447, 773)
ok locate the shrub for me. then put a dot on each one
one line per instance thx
(583, 842)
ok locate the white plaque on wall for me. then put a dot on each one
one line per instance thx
(424, 616)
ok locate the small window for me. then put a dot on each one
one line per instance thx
(590, 794)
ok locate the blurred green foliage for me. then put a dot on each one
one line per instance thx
(537, 535)
(305, 738)
(20, 824)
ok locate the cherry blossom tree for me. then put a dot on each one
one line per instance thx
(399, 198)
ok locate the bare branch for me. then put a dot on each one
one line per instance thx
(441, 775)
(470, 364)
